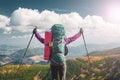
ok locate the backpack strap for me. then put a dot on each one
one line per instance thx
(66, 50)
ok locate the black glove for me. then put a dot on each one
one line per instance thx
(34, 30)
(81, 31)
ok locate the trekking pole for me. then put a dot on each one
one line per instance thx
(86, 48)
(89, 63)
(29, 43)
(21, 61)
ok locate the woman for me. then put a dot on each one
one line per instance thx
(55, 67)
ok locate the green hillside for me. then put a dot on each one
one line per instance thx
(109, 52)
(101, 68)
(26, 72)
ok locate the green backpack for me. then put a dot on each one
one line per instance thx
(58, 50)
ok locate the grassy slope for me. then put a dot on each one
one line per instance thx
(100, 69)
(104, 66)
(114, 51)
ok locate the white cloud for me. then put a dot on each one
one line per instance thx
(7, 30)
(99, 31)
(22, 19)
(96, 29)
(4, 22)
(24, 36)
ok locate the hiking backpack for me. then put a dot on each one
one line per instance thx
(58, 49)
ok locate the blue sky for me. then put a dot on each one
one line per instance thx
(99, 19)
(84, 7)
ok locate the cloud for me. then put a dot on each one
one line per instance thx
(4, 22)
(23, 36)
(23, 19)
(7, 30)
(96, 29)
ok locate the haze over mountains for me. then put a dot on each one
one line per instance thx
(35, 55)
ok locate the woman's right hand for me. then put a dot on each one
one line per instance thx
(81, 31)
(34, 30)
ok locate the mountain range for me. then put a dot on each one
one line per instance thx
(13, 54)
